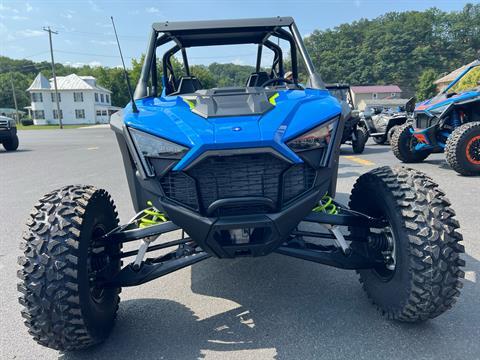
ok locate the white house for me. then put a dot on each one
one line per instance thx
(81, 100)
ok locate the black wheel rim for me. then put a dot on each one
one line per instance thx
(98, 262)
(384, 251)
(473, 150)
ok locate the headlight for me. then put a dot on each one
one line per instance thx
(149, 146)
(316, 138)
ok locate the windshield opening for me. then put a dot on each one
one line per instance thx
(469, 81)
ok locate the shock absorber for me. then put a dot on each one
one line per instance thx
(455, 119)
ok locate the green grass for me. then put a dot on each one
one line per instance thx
(50, 127)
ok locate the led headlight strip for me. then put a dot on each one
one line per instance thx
(149, 146)
(317, 138)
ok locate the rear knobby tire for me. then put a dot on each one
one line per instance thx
(390, 133)
(403, 145)
(63, 307)
(358, 145)
(426, 279)
(462, 150)
(11, 144)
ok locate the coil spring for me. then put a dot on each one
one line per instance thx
(378, 242)
(456, 120)
(326, 205)
(151, 216)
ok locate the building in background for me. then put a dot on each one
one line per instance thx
(81, 100)
(373, 92)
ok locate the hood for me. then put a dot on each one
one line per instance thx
(294, 112)
(442, 100)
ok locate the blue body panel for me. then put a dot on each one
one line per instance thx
(295, 112)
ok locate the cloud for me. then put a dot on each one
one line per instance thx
(28, 7)
(103, 42)
(68, 14)
(18, 17)
(238, 61)
(94, 6)
(152, 10)
(80, 64)
(30, 33)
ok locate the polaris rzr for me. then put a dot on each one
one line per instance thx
(8, 133)
(233, 171)
(448, 122)
(382, 123)
(354, 132)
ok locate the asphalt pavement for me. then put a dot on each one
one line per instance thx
(273, 307)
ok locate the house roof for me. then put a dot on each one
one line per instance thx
(69, 82)
(453, 75)
(371, 89)
(40, 82)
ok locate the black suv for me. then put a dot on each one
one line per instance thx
(8, 133)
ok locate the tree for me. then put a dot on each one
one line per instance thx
(426, 87)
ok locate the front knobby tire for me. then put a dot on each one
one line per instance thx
(63, 305)
(425, 280)
(462, 150)
(403, 145)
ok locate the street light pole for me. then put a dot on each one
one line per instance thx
(50, 31)
(17, 120)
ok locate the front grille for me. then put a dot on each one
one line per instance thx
(3, 123)
(180, 187)
(296, 180)
(423, 121)
(238, 176)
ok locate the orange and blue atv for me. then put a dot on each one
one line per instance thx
(231, 172)
(449, 122)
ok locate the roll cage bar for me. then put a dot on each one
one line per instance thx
(222, 32)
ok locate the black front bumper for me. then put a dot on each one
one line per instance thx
(267, 231)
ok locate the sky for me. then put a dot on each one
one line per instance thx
(85, 34)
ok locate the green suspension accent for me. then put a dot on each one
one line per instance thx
(151, 216)
(326, 205)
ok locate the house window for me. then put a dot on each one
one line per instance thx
(37, 97)
(38, 114)
(55, 114)
(99, 113)
(393, 95)
(104, 112)
(79, 114)
(101, 98)
(96, 97)
(53, 97)
(374, 96)
(107, 98)
(78, 96)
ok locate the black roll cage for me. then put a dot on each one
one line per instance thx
(223, 32)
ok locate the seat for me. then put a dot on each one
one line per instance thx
(257, 79)
(187, 85)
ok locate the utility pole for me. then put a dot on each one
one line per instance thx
(14, 99)
(50, 31)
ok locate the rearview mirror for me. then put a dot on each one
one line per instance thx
(410, 105)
